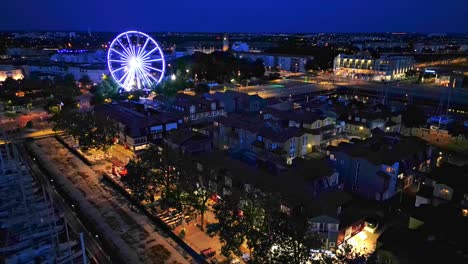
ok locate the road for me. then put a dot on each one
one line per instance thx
(93, 247)
(283, 88)
(291, 87)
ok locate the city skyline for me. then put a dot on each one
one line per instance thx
(259, 17)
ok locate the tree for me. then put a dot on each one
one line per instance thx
(92, 131)
(202, 88)
(293, 238)
(243, 219)
(86, 81)
(198, 199)
(66, 87)
(310, 65)
(108, 89)
(345, 254)
(138, 178)
(413, 117)
(171, 87)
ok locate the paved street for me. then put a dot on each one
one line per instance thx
(131, 233)
(291, 87)
(283, 88)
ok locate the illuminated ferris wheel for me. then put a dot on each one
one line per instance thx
(135, 61)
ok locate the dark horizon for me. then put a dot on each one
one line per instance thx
(261, 16)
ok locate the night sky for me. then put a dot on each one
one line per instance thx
(237, 15)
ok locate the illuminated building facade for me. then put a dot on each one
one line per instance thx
(365, 67)
(10, 71)
(225, 43)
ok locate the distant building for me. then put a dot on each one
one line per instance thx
(386, 68)
(373, 168)
(433, 235)
(285, 62)
(194, 109)
(225, 42)
(188, 142)
(274, 136)
(360, 123)
(240, 46)
(80, 56)
(29, 52)
(236, 102)
(8, 71)
(138, 125)
(95, 72)
(320, 129)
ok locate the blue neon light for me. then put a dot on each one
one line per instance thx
(131, 58)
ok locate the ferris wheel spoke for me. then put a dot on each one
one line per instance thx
(130, 45)
(122, 61)
(153, 60)
(147, 74)
(123, 77)
(128, 81)
(143, 75)
(148, 53)
(126, 51)
(143, 48)
(120, 53)
(152, 68)
(116, 70)
(130, 74)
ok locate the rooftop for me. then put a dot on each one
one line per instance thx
(293, 183)
(386, 148)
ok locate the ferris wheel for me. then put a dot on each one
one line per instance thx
(135, 61)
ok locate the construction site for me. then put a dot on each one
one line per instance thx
(33, 228)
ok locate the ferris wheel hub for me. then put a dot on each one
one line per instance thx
(135, 61)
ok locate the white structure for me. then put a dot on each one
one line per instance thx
(95, 72)
(135, 60)
(10, 71)
(98, 56)
(395, 67)
(365, 67)
(240, 46)
(293, 63)
(225, 42)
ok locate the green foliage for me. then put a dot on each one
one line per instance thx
(202, 88)
(171, 87)
(29, 124)
(245, 219)
(90, 130)
(293, 239)
(86, 81)
(218, 66)
(107, 89)
(23, 92)
(198, 199)
(65, 87)
(182, 234)
(138, 177)
(167, 171)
